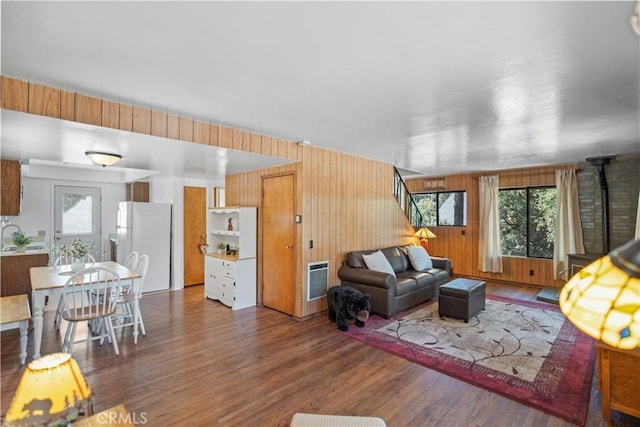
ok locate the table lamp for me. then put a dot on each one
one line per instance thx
(603, 299)
(424, 234)
(52, 391)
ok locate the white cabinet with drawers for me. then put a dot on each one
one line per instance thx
(231, 278)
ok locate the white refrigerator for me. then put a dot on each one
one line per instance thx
(146, 229)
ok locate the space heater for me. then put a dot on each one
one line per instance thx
(317, 280)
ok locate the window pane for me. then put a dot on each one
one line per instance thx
(542, 218)
(427, 206)
(513, 221)
(77, 215)
(451, 208)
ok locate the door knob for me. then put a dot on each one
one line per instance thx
(288, 246)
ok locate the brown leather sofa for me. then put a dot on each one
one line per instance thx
(391, 294)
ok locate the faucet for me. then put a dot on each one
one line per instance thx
(4, 227)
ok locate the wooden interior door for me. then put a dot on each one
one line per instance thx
(278, 237)
(194, 226)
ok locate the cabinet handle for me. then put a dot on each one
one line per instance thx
(288, 246)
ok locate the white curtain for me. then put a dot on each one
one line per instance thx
(490, 241)
(568, 232)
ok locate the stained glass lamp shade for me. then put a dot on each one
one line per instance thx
(603, 299)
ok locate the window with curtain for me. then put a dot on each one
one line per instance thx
(527, 221)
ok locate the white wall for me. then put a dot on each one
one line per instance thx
(38, 207)
(163, 189)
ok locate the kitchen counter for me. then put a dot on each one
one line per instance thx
(31, 250)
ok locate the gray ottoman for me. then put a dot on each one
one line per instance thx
(461, 298)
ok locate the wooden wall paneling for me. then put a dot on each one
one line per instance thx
(326, 201)
(274, 147)
(213, 141)
(15, 94)
(110, 114)
(159, 124)
(88, 110)
(265, 145)
(236, 139)
(44, 101)
(126, 117)
(67, 105)
(225, 137)
(283, 150)
(173, 126)
(201, 132)
(186, 129)
(142, 120)
(255, 143)
(246, 141)
(334, 215)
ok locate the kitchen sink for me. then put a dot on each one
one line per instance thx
(29, 248)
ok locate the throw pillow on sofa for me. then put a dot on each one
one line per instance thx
(419, 258)
(378, 262)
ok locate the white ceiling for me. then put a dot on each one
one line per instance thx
(432, 87)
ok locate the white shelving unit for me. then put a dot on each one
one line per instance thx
(231, 278)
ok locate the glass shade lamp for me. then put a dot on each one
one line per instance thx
(603, 299)
(102, 159)
(52, 391)
(424, 234)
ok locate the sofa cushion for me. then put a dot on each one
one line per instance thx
(397, 258)
(405, 285)
(378, 262)
(419, 258)
(423, 279)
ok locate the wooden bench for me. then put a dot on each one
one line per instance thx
(14, 314)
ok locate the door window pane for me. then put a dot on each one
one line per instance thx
(77, 214)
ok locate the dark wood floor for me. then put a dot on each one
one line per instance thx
(202, 364)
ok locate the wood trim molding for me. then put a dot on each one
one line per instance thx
(32, 98)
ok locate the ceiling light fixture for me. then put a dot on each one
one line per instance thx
(102, 159)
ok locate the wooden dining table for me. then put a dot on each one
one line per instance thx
(47, 284)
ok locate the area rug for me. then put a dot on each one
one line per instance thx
(524, 350)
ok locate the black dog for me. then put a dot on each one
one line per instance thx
(347, 303)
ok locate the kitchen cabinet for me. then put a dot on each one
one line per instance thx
(231, 277)
(10, 202)
(14, 272)
(138, 192)
(231, 281)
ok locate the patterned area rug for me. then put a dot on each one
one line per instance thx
(524, 350)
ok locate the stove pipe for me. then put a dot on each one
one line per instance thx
(599, 163)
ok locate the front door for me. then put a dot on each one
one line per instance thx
(194, 226)
(278, 237)
(77, 215)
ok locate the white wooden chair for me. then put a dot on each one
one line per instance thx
(132, 260)
(79, 306)
(125, 310)
(68, 259)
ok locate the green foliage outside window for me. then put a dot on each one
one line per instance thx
(527, 221)
(442, 208)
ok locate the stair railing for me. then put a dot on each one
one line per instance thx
(405, 200)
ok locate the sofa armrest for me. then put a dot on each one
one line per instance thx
(441, 263)
(366, 276)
